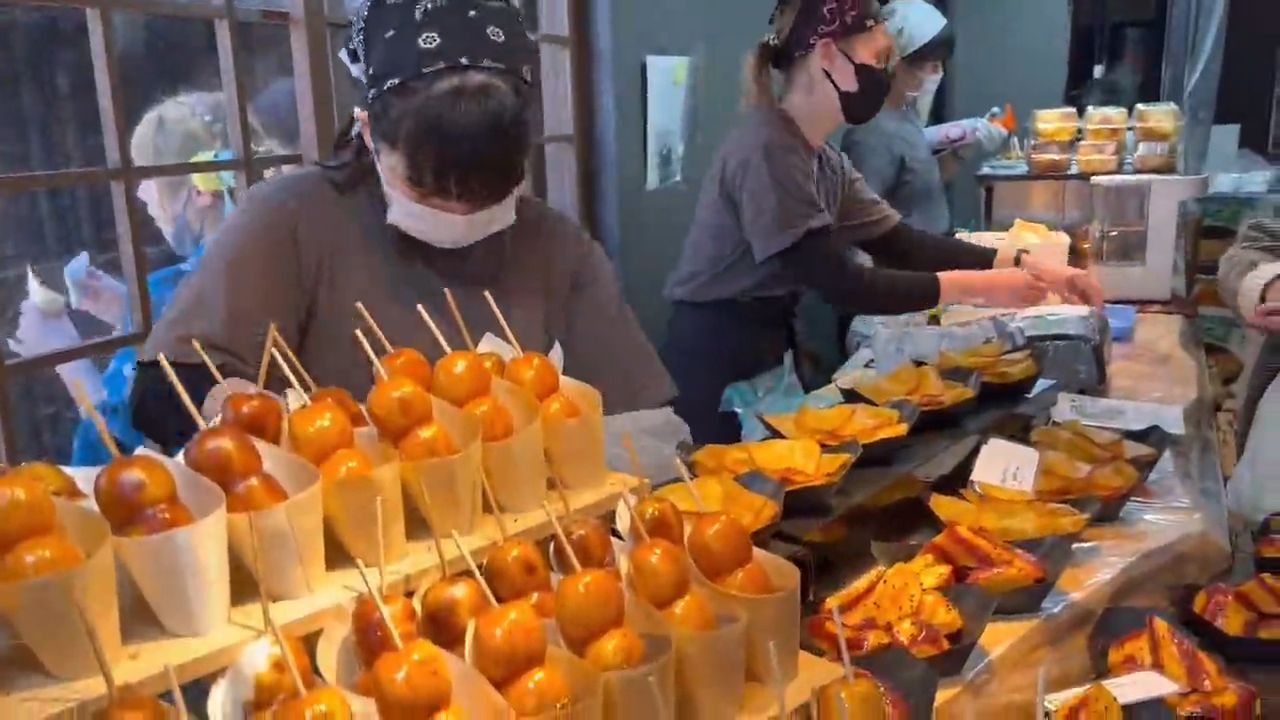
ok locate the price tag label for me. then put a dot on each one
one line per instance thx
(1128, 689)
(1119, 414)
(1007, 465)
(1055, 311)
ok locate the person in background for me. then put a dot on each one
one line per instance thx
(1249, 281)
(902, 160)
(781, 211)
(187, 210)
(426, 193)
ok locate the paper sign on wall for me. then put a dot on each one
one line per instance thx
(1007, 465)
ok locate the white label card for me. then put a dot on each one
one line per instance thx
(1119, 414)
(1128, 689)
(1056, 311)
(1007, 464)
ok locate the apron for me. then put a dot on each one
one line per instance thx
(710, 345)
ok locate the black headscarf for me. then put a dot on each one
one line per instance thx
(397, 40)
(819, 19)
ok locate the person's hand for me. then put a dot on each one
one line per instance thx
(96, 292)
(988, 138)
(1266, 315)
(40, 332)
(1076, 286)
(1004, 288)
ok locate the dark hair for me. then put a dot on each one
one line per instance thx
(938, 49)
(464, 135)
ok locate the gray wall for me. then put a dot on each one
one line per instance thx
(1007, 51)
(643, 231)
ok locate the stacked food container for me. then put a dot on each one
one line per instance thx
(1157, 127)
(1103, 148)
(1053, 138)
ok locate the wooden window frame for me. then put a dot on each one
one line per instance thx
(309, 23)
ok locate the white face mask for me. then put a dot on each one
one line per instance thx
(924, 96)
(444, 229)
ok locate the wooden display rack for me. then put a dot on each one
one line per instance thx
(26, 691)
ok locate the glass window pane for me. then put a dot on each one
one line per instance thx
(266, 65)
(43, 416)
(172, 89)
(347, 92)
(50, 118)
(346, 8)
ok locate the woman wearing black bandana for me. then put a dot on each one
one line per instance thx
(781, 213)
(426, 195)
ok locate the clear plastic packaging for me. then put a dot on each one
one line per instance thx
(1106, 124)
(1055, 125)
(1049, 158)
(1098, 157)
(1157, 122)
(1155, 157)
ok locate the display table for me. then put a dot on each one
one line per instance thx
(1175, 532)
(27, 692)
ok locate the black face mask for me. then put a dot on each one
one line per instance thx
(863, 104)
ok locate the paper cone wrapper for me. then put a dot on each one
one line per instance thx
(647, 692)
(517, 466)
(183, 573)
(710, 667)
(215, 706)
(290, 535)
(586, 684)
(454, 499)
(42, 611)
(575, 448)
(351, 509)
(84, 478)
(211, 408)
(773, 621)
(337, 664)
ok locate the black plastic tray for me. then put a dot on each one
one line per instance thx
(875, 452)
(934, 419)
(1109, 509)
(1054, 553)
(1234, 649)
(1116, 622)
(976, 607)
(1015, 389)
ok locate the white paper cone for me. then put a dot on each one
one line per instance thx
(351, 509)
(43, 610)
(183, 573)
(575, 448)
(587, 687)
(771, 619)
(647, 692)
(336, 662)
(455, 499)
(290, 534)
(211, 408)
(517, 466)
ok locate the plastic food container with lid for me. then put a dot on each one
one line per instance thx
(1058, 125)
(1097, 158)
(1157, 122)
(1049, 158)
(1155, 157)
(1106, 124)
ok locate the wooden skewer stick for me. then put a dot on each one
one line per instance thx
(563, 492)
(693, 488)
(502, 320)
(187, 402)
(457, 318)
(264, 366)
(373, 356)
(382, 607)
(176, 690)
(634, 456)
(562, 538)
(844, 649)
(503, 530)
(263, 601)
(88, 410)
(435, 329)
(471, 564)
(208, 361)
(297, 364)
(288, 656)
(293, 379)
(99, 653)
(377, 331)
(435, 533)
(382, 547)
(635, 519)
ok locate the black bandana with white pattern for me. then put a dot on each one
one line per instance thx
(393, 41)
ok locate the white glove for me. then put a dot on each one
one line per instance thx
(96, 292)
(988, 138)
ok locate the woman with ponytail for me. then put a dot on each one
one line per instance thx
(782, 213)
